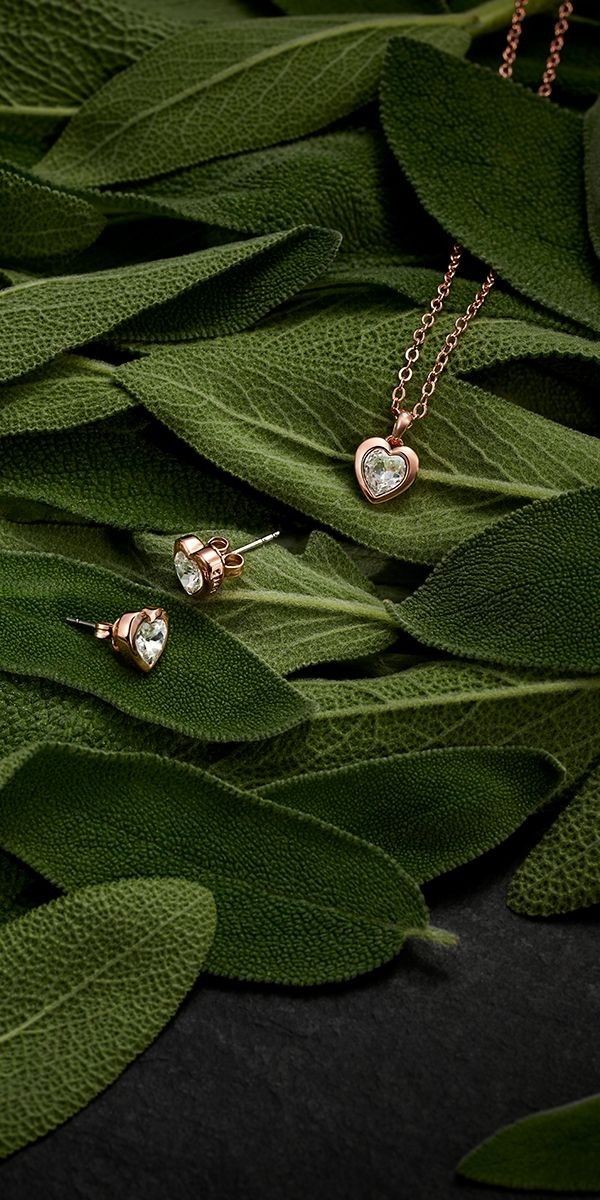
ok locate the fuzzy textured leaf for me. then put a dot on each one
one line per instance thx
(284, 407)
(42, 222)
(155, 487)
(339, 180)
(527, 590)
(562, 873)
(442, 704)
(212, 290)
(86, 982)
(556, 1151)
(592, 172)
(431, 811)
(183, 103)
(490, 161)
(207, 685)
(298, 901)
(69, 391)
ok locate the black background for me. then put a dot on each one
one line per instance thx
(368, 1091)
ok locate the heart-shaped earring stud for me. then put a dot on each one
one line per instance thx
(385, 467)
(201, 566)
(140, 637)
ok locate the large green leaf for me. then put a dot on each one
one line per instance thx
(341, 180)
(487, 173)
(41, 222)
(300, 7)
(592, 165)
(155, 487)
(210, 291)
(431, 811)
(55, 55)
(562, 873)
(556, 1151)
(298, 901)
(216, 90)
(207, 685)
(442, 704)
(86, 982)
(522, 594)
(72, 390)
(284, 408)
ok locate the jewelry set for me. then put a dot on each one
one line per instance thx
(201, 568)
(384, 467)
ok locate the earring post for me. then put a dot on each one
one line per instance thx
(98, 629)
(89, 626)
(269, 537)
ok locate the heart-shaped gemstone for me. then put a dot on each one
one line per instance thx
(189, 575)
(150, 640)
(383, 472)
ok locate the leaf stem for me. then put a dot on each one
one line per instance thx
(61, 112)
(371, 612)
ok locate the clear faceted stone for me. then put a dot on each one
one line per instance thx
(190, 577)
(384, 471)
(150, 640)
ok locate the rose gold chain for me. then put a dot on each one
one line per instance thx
(428, 319)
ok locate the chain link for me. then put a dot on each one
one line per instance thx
(462, 322)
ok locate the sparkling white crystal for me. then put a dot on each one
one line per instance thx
(189, 575)
(150, 640)
(384, 471)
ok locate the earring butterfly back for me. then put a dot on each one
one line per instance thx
(202, 567)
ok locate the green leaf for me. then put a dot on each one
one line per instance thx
(315, 386)
(562, 873)
(55, 56)
(299, 902)
(86, 982)
(592, 166)
(183, 103)
(340, 180)
(557, 1150)
(522, 594)
(431, 811)
(156, 487)
(209, 291)
(207, 685)
(42, 222)
(301, 7)
(441, 704)
(293, 610)
(69, 391)
(504, 152)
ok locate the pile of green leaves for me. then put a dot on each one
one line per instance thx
(220, 225)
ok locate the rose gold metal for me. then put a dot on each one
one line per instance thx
(122, 633)
(412, 354)
(392, 446)
(215, 559)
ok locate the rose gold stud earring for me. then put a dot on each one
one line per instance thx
(201, 566)
(140, 637)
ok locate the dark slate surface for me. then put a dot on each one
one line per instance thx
(363, 1092)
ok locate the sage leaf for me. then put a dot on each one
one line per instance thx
(557, 1150)
(283, 408)
(293, 610)
(592, 166)
(526, 590)
(300, 7)
(299, 902)
(475, 195)
(87, 982)
(70, 391)
(183, 104)
(435, 705)
(207, 685)
(431, 811)
(340, 180)
(42, 317)
(562, 872)
(155, 487)
(43, 222)
(53, 57)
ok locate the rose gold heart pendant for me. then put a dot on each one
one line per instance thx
(384, 466)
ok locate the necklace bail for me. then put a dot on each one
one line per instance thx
(402, 423)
